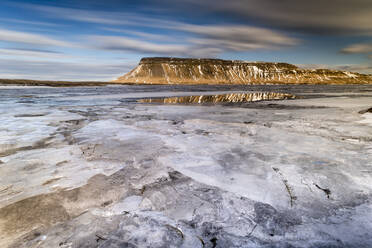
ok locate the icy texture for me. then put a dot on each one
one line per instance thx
(94, 168)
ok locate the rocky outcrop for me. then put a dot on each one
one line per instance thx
(217, 71)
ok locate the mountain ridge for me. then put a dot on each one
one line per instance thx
(169, 70)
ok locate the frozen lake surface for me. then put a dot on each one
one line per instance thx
(101, 167)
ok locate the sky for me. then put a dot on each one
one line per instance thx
(100, 40)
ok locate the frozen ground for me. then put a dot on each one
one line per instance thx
(92, 167)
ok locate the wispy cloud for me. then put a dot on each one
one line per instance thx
(362, 48)
(197, 40)
(238, 37)
(99, 17)
(316, 16)
(28, 22)
(365, 68)
(203, 40)
(358, 48)
(127, 44)
(361, 68)
(144, 35)
(234, 26)
(12, 68)
(73, 14)
(30, 38)
(33, 53)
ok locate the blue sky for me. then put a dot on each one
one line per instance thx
(101, 40)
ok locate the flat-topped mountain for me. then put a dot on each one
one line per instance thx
(162, 70)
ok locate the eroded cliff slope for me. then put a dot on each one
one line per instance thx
(217, 71)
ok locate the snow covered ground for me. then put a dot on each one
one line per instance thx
(93, 167)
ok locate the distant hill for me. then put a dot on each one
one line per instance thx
(161, 70)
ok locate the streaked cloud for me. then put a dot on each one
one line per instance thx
(361, 68)
(197, 40)
(365, 68)
(358, 48)
(100, 17)
(30, 38)
(33, 53)
(89, 29)
(73, 14)
(317, 16)
(139, 34)
(118, 43)
(238, 37)
(28, 22)
(202, 40)
(23, 69)
(127, 44)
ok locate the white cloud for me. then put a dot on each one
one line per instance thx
(361, 68)
(365, 68)
(319, 16)
(100, 17)
(127, 44)
(358, 48)
(206, 40)
(197, 40)
(28, 22)
(29, 38)
(33, 53)
(144, 35)
(95, 71)
(238, 37)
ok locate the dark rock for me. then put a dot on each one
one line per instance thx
(365, 111)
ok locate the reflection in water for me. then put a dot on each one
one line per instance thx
(225, 98)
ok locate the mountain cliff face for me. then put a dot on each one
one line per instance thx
(217, 71)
